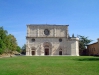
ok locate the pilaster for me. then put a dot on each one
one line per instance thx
(55, 31)
(38, 31)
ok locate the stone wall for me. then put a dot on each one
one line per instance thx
(55, 31)
(38, 44)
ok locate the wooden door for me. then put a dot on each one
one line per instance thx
(46, 51)
(60, 52)
(33, 52)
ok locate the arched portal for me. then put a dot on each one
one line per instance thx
(60, 51)
(47, 48)
(33, 50)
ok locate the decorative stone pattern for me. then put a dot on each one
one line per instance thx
(47, 40)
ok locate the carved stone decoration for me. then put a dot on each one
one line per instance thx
(47, 44)
(33, 48)
(46, 32)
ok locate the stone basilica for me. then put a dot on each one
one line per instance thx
(45, 39)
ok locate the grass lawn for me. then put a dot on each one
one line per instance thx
(49, 65)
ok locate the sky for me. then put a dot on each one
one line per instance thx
(82, 16)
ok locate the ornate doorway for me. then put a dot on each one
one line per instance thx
(33, 52)
(46, 51)
(47, 48)
(60, 52)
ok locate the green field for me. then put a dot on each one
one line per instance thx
(49, 65)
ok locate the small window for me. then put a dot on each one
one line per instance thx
(33, 40)
(60, 40)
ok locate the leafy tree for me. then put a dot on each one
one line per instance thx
(73, 36)
(83, 42)
(18, 49)
(24, 49)
(8, 42)
(3, 38)
(13, 43)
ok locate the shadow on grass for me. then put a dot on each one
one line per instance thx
(88, 59)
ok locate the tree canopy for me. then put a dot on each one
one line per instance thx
(8, 42)
(24, 49)
(83, 42)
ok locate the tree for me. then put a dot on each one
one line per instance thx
(8, 42)
(13, 43)
(24, 49)
(73, 36)
(18, 49)
(83, 42)
(3, 38)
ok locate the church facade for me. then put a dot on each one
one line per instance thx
(45, 39)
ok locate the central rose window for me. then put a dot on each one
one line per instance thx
(46, 32)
